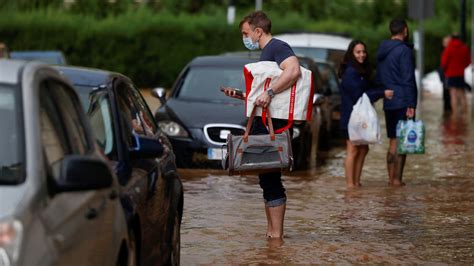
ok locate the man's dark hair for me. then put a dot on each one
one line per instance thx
(258, 19)
(397, 26)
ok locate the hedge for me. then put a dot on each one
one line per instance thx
(152, 48)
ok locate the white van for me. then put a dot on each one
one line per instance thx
(318, 46)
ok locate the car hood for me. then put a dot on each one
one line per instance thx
(197, 114)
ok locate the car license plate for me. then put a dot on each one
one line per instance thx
(215, 153)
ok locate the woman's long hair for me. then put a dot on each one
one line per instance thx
(363, 69)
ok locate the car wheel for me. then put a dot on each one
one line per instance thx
(176, 240)
(132, 254)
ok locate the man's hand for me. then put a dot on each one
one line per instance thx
(410, 112)
(228, 91)
(263, 100)
(388, 94)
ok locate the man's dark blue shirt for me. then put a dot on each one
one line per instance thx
(276, 51)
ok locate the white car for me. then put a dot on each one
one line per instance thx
(318, 46)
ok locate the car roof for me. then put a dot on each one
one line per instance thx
(221, 60)
(87, 76)
(10, 70)
(58, 56)
(315, 40)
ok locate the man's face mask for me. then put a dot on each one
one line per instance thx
(249, 44)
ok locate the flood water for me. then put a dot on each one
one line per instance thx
(430, 220)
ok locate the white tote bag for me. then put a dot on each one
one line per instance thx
(295, 103)
(364, 126)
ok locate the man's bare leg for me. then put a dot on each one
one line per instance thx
(269, 222)
(399, 166)
(391, 160)
(277, 216)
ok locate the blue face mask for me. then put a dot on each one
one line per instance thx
(249, 44)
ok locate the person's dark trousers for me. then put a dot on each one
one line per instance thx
(273, 190)
(446, 96)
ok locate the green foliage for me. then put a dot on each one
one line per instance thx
(153, 41)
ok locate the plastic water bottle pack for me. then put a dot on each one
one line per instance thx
(410, 137)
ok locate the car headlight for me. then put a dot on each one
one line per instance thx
(11, 233)
(173, 129)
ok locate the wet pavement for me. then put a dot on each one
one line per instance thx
(430, 220)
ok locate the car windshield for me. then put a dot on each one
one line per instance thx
(11, 137)
(203, 83)
(96, 103)
(321, 54)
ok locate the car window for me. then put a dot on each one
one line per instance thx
(323, 54)
(53, 133)
(329, 77)
(129, 114)
(101, 120)
(11, 136)
(203, 83)
(146, 118)
(70, 112)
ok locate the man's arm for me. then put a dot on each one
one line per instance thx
(407, 78)
(291, 73)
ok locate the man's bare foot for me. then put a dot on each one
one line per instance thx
(272, 236)
(359, 184)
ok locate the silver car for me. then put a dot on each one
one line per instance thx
(59, 202)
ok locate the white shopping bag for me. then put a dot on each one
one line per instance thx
(364, 126)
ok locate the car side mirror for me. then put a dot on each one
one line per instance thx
(146, 147)
(318, 99)
(160, 94)
(80, 173)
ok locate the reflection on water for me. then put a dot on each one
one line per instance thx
(431, 220)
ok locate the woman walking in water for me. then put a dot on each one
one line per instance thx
(355, 74)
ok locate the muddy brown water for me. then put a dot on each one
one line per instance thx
(430, 220)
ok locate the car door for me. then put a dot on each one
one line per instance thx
(78, 223)
(156, 196)
(167, 185)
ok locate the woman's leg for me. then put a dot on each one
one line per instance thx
(349, 163)
(462, 98)
(454, 101)
(361, 154)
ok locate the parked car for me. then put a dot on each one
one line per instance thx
(318, 46)
(142, 157)
(58, 196)
(49, 57)
(330, 89)
(197, 117)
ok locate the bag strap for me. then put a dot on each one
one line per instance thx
(250, 121)
(290, 111)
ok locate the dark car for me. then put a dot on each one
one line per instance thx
(58, 195)
(141, 155)
(330, 89)
(49, 57)
(197, 117)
